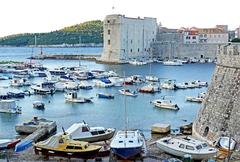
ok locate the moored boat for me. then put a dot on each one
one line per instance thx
(44, 88)
(72, 97)
(82, 132)
(128, 92)
(173, 63)
(105, 95)
(180, 146)
(9, 106)
(38, 105)
(8, 143)
(166, 104)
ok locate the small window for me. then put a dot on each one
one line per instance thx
(101, 132)
(199, 147)
(138, 49)
(181, 146)
(94, 133)
(130, 141)
(204, 145)
(70, 147)
(108, 21)
(61, 140)
(77, 147)
(109, 42)
(120, 141)
(189, 147)
(131, 50)
(109, 31)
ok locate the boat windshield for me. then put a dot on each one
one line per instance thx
(199, 147)
(204, 145)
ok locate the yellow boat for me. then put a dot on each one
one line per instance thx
(62, 145)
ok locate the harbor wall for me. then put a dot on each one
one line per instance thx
(220, 112)
(179, 50)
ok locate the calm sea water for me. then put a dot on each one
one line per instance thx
(108, 113)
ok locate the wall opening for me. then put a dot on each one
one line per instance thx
(205, 133)
(201, 56)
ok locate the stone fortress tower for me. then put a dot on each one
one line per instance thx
(220, 112)
(127, 38)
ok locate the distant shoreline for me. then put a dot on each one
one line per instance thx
(57, 46)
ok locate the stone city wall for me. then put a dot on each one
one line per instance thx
(220, 111)
(180, 50)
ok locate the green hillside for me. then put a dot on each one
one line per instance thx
(89, 32)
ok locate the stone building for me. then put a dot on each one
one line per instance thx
(220, 112)
(127, 38)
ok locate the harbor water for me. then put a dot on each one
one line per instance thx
(102, 112)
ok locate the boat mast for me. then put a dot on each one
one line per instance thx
(80, 41)
(125, 107)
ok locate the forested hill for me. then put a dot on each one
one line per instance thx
(87, 32)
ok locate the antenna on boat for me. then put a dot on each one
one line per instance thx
(64, 131)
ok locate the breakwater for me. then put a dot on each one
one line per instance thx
(90, 57)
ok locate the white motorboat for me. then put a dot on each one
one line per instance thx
(128, 92)
(44, 88)
(60, 87)
(9, 106)
(72, 97)
(19, 82)
(85, 85)
(127, 144)
(82, 132)
(135, 62)
(226, 143)
(169, 84)
(152, 78)
(150, 88)
(180, 146)
(103, 83)
(38, 105)
(71, 85)
(198, 99)
(200, 83)
(173, 63)
(166, 104)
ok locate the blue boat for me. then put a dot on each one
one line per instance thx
(127, 144)
(23, 145)
(107, 96)
(16, 94)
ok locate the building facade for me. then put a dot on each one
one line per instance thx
(128, 38)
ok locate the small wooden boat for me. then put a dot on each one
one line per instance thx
(128, 92)
(8, 143)
(105, 95)
(62, 145)
(38, 105)
(180, 146)
(82, 132)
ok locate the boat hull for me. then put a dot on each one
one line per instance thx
(182, 153)
(97, 138)
(127, 153)
(83, 155)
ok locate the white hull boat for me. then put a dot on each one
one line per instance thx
(180, 146)
(172, 63)
(127, 92)
(166, 104)
(128, 144)
(82, 132)
(72, 97)
(9, 106)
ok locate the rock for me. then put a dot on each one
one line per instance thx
(160, 128)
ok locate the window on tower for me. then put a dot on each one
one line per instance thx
(109, 42)
(109, 32)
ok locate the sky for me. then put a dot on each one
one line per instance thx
(28, 16)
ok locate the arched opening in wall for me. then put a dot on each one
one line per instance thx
(201, 56)
(205, 133)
